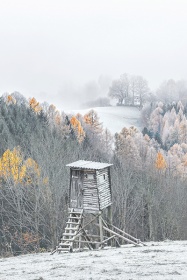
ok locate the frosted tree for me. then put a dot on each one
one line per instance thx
(107, 140)
(92, 119)
(180, 115)
(173, 134)
(184, 147)
(182, 132)
(175, 155)
(180, 106)
(127, 150)
(182, 167)
(167, 91)
(139, 87)
(165, 132)
(172, 117)
(156, 118)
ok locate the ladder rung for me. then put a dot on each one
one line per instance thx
(69, 234)
(73, 223)
(76, 218)
(68, 239)
(64, 244)
(77, 213)
(71, 228)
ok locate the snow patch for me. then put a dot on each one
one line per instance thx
(114, 118)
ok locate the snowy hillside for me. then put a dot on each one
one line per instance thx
(164, 260)
(115, 118)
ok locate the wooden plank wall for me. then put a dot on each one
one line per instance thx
(90, 198)
(105, 198)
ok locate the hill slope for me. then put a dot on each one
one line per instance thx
(115, 118)
(159, 260)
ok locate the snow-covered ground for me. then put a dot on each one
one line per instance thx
(158, 260)
(115, 118)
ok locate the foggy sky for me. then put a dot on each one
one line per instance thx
(55, 49)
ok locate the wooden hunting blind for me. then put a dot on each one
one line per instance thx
(90, 186)
(89, 194)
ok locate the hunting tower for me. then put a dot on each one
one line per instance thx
(89, 195)
(90, 186)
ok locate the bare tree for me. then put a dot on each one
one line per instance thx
(130, 90)
(120, 89)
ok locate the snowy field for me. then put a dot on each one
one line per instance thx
(165, 260)
(115, 118)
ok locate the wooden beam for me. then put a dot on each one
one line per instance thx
(83, 227)
(117, 242)
(104, 241)
(126, 234)
(120, 236)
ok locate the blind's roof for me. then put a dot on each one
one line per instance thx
(84, 164)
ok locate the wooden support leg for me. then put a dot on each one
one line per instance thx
(109, 218)
(101, 229)
(80, 239)
(109, 214)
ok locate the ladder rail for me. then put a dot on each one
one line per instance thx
(71, 231)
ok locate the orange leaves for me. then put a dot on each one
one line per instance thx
(74, 122)
(92, 119)
(160, 162)
(30, 238)
(10, 100)
(35, 105)
(78, 129)
(88, 119)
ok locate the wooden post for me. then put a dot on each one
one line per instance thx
(101, 228)
(109, 218)
(109, 214)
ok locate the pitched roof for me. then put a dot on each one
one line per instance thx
(84, 164)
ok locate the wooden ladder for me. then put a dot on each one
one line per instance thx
(72, 228)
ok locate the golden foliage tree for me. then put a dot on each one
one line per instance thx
(79, 131)
(11, 166)
(10, 100)
(35, 105)
(92, 119)
(160, 161)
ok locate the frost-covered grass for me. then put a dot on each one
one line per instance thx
(115, 118)
(156, 261)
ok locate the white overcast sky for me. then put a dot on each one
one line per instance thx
(52, 48)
